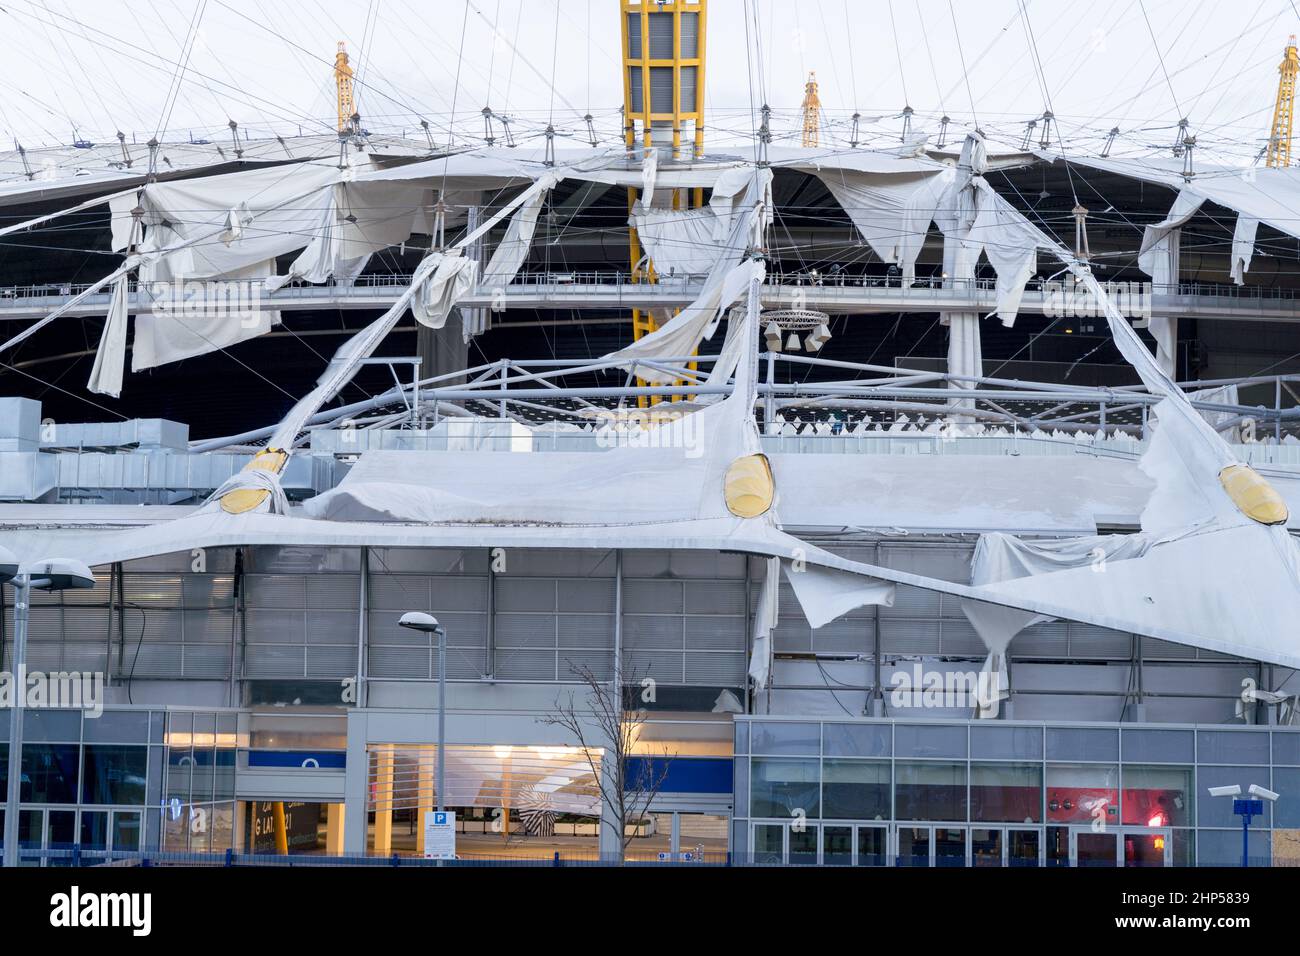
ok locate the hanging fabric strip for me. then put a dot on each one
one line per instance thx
(110, 358)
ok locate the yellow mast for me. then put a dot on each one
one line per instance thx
(1279, 140)
(812, 111)
(343, 80)
(663, 89)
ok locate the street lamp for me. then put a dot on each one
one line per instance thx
(1246, 809)
(55, 574)
(428, 624)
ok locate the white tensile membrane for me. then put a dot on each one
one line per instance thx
(682, 335)
(1200, 573)
(1211, 577)
(684, 459)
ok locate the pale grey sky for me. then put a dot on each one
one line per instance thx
(109, 64)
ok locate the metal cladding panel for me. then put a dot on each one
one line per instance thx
(661, 36)
(587, 631)
(526, 630)
(689, 80)
(520, 664)
(634, 36)
(654, 631)
(661, 89)
(525, 594)
(690, 35)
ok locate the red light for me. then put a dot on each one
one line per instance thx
(1157, 821)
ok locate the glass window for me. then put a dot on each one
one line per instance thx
(126, 830)
(1006, 743)
(49, 773)
(1228, 746)
(1286, 812)
(61, 725)
(1223, 847)
(94, 829)
(1082, 793)
(938, 740)
(930, 791)
(1286, 748)
(1157, 796)
(118, 727)
(1217, 811)
(783, 788)
(114, 774)
(1006, 792)
(856, 740)
(786, 738)
(1159, 746)
(742, 737)
(855, 790)
(1082, 743)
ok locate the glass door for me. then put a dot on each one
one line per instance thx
(1093, 848)
(769, 843)
(950, 846)
(1148, 847)
(872, 846)
(837, 846)
(803, 845)
(912, 846)
(1024, 847)
(1005, 846)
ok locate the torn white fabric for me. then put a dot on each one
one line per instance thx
(451, 280)
(1243, 247)
(1004, 557)
(766, 615)
(110, 357)
(649, 172)
(680, 242)
(1220, 395)
(681, 336)
(279, 210)
(345, 361)
(187, 319)
(825, 595)
(513, 250)
(892, 212)
(258, 479)
(1011, 245)
(121, 222)
(684, 458)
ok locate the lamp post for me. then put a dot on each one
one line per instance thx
(428, 624)
(1247, 809)
(57, 574)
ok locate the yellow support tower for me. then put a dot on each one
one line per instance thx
(1279, 140)
(663, 89)
(343, 80)
(812, 112)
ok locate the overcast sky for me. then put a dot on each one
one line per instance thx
(110, 64)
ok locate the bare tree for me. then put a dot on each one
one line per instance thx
(602, 724)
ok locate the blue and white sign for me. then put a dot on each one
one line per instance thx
(439, 835)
